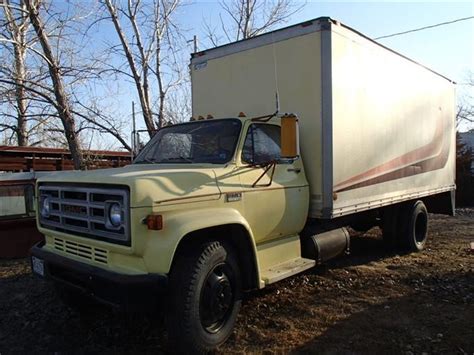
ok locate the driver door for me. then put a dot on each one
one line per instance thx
(275, 195)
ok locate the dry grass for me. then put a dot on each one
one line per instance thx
(370, 301)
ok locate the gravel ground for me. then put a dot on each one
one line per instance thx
(370, 301)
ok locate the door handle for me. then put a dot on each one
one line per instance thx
(296, 170)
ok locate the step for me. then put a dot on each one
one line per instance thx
(289, 268)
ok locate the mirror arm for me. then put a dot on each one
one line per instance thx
(267, 167)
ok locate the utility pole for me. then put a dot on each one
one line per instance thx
(134, 131)
(195, 43)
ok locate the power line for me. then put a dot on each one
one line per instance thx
(426, 27)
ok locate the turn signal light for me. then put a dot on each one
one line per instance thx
(154, 222)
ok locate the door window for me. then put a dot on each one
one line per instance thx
(262, 144)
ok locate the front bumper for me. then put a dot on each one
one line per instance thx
(128, 292)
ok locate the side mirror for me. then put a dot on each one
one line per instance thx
(289, 136)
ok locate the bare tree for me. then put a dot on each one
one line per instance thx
(62, 79)
(163, 30)
(465, 109)
(62, 102)
(464, 153)
(141, 84)
(464, 114)
(17, 26)
(243, 19)
(150, 43)
(25, 113)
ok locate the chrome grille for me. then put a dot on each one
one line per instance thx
(81, 250)
(83, 211)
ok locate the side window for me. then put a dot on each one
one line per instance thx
(262, 144)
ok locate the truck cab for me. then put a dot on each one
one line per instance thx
(212, 199)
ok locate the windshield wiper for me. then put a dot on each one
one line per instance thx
(176, 160)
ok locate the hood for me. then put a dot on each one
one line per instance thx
(149, 183)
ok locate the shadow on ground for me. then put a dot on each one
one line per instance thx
(436, 318)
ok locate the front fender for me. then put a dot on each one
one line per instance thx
(161, 246)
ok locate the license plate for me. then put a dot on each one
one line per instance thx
(38, 266)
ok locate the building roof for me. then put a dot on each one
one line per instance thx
(17, 159)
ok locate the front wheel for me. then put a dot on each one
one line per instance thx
(205, 296)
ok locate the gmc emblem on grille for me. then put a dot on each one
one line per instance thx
(74, 209)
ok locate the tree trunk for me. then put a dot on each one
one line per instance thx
(142, 92)
(161, 88)
(63, 106)
(247, 19)
(22, 135)
(19, 49)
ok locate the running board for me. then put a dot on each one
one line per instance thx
(289, 268)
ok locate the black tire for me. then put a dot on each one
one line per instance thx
(205, 297)
(414, 226)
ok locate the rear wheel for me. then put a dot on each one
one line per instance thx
(414, 226)
(205, 297)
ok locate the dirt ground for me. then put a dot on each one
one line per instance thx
(371, 301)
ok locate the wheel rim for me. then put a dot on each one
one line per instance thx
(420, 228)
(217, 298)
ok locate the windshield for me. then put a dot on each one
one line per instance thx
(197, 142)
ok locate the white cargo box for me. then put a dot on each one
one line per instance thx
(376, 128)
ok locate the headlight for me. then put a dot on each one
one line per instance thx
(115, 214)
(45, 209)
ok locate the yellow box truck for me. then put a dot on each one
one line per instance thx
(244, 194)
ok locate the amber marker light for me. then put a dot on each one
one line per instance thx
(154, 222)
